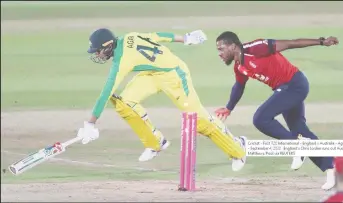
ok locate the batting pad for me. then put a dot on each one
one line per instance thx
(224, 141)
(137, 118)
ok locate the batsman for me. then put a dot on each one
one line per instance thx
(158, 70)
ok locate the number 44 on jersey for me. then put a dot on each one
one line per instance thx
(144, 49)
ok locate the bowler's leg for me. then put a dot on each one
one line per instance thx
(283, 99)
(264, 118)
(295, 118)
(296, 122)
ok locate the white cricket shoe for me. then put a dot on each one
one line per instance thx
(297, 162)
(330, 179)
(149, 153)
(238, 164)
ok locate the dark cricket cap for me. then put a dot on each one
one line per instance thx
(100, 38)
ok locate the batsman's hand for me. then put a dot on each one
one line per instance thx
(195, 37)
(222, 113)
(330, 41)
(88, 133)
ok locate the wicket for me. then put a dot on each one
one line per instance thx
(188, 151)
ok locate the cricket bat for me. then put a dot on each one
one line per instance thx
(40, 156)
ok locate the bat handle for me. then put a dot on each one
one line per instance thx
(72, 141)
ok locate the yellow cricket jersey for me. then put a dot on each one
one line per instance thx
(138, 52)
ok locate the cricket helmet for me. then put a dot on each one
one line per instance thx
(102, 42)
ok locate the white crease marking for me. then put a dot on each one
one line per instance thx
(101, 165)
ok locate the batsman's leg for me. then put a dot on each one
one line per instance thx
(234, 147)
(128, 107)
(178, 87)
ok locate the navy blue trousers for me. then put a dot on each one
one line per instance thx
(288, 100)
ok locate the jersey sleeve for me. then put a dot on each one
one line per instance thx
(240, 78)
(160, 36)
(260, 47)
(118, 71)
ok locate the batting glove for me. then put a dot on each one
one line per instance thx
(195, 37)
(88, 133)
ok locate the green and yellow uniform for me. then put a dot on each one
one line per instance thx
(158, 70)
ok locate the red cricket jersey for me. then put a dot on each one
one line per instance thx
(336, 198)
(262, 62)
(339, 165)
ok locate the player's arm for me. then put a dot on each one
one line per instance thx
(237, 91)
(282, 45)
(236, 94)
(117, 73)
(163, 37)
(195, 37)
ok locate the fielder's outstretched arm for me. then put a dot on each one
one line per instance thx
(281, 45)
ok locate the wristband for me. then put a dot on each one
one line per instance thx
(321, 40)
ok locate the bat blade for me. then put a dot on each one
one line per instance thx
(36, 158)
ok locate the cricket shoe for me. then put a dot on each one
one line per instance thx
(297, 162)
(330, 179)
(238, 164)
(149, 153)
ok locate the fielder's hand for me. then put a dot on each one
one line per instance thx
(222, 113)
(330, 41)
(195, 37)
(88, 133)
